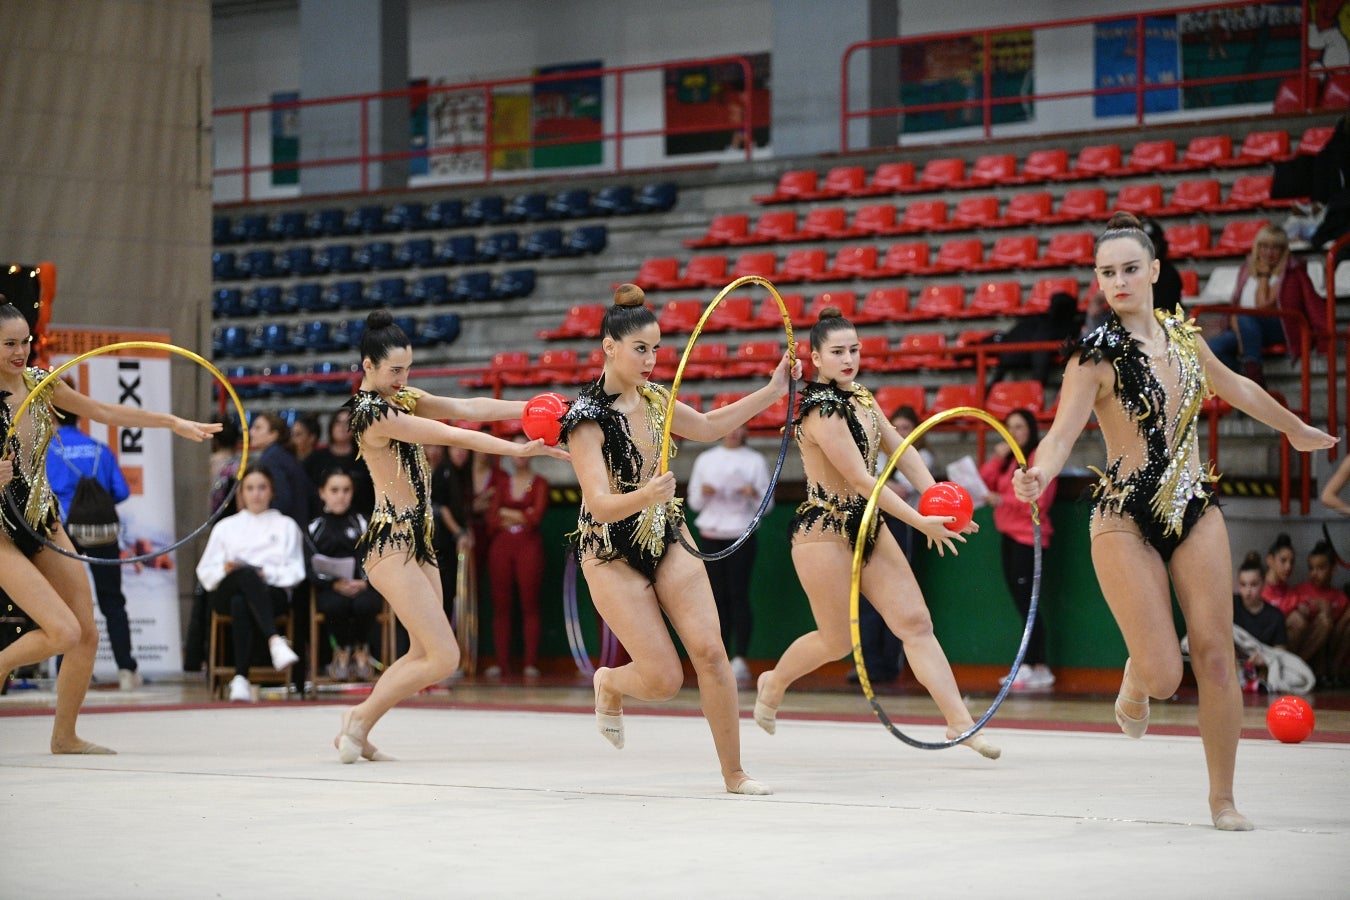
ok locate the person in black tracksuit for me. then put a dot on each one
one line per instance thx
(349, 605)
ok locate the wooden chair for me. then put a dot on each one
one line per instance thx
(220, 669)
(384, 651)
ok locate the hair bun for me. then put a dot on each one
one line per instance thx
(831, 312)
(1124, 220)
(1252, 557)
(629, 295)
(380, 318)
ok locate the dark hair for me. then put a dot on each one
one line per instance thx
(332, 420)
(332, 473)
(1282, 542)
(1126, 225)
(906, 411)
(628, 313)
(10, 311)
(1322, 548)
(278, 424)
(831, 320)
(1033, 430)
(1252, 563)
(259, 469)
(309, 422)
(1155, 234)
(381, 336)
(227, 438)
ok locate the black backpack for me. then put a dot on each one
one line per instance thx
(92, 518)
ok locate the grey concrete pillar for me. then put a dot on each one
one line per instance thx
(809, 40)
(353, 47)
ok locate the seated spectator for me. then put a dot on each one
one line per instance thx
(1270, 279)
(1276, 590)
(348, 603)
(252, 561)
(1058, 323)
(1256, 617)
(340, 453)
(1323, 608)
(305, 439)
(292, 491)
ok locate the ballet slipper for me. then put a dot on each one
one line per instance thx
(375, 754)
(350, 745)
(607, 721)
(749, 787)
(1133, 726)
(80, 747)
(1229, 819)
(977, 742)
(766, 716)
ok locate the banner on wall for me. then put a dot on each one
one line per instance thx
(135, 378)
(1115, 45)
(568, 110)
(511, 125)
(951, 71)
(285, 138)
(705, 106)
(417, 127)
(1248, 40)
(456, 131)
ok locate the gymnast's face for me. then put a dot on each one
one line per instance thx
(1280, 565)
(15, 342)
(632, 358)
(389, 375)
(1126, 275)
(839, 357)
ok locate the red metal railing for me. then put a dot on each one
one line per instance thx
(987, 103)
(490, 144)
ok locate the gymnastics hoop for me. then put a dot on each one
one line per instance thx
(787, 425)
(576, 638)
(855, 580)
(99, 351)
(465, 609)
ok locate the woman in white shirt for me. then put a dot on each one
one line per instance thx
(252, 560)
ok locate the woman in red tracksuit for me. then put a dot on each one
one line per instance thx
(516, 561)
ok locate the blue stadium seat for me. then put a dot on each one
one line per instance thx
(218, 342)
(259, 264)
(270, 301)
(472, 286)
(330, 222)
(228, 303)
(442, 328)
(220, 230)
(337, 258)
(659, 197)
(545, 243)
(500, 246)
(237, 341)
(389, 292)
(249, 228)
(376, 256)
(285, 388)
(333, 386)
(417, 253)
(309, 296)
(233, 374)
(588, 239)
(366, 220)
(531, 208)
(288, 226)
(616, 200)
(317, 337)
(407, 217)
(489, 209)
(446, 214)
(573, 204)
(346, 295)
(459, 250)
(275, 337)
(432, 289)
(349, 332)
(225, 266)
(298, 261)
(409, 326)
(514, 283)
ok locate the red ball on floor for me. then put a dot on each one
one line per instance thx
(1290, 719)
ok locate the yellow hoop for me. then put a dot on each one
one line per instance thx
(698, 328)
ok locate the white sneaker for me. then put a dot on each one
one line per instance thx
(740, 670)
(1041, 677)
(282, 654)
(492, 672)
(128, 680)
(1021, 680)
(240, 690)
(532, 672)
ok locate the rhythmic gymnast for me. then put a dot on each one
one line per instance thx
(52, 589)
(1145, 375)
(840, 430)
(627, 532)
(390, 421)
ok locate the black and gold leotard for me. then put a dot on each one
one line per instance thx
(1153, 481)
(29, 490)
(402, 517)
(642, 538)
(833, 510)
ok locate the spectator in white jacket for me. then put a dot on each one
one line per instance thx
(252, 561)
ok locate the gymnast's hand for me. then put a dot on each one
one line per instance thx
(537, 447)
(1028, 484)
(6, 471)
(935, 529)
(785, 373)
(194, 431)
(660, 489)
(1306, 438)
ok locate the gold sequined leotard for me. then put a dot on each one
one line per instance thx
(29, 490)
(642, 538)
(401, 522)
(833, 510)
(1153, 483)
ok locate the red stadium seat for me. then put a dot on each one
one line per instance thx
(1015, 252)
(997, 298)
(1251, 192)
(595, 363)
(755, 358)
(855, 262)
(1204, 152)
(1336, 94)
(512, 367)
(941, 173)
(941, 301)
(1068, 248)
(560, 367)
(843, 181)
(950, 396)
(891, 178)
(660, 274)
(707, 360)
(906, 258)
(1150, 156)
(581, 321)
(796, 184)
(1045, 165)
(976, 212)
(1315, 138)
(875, 351)
(1260, 147)
(893, 396)
(667, 360)
(1194, 197)
(693, 401)
(771, 420)
(878, 219)
(883, 305)
(829, 222)
(1028, 209)
(1081, 203)
(706, 271)
(772, 227)
(1000, 168)
(1141, 199)
(924, 215)
(922, 350)
(1006, 396)
(1187, 240)
(1190, 283)
(680, 316)
(732, 314)
(1291, 96)
(764, 264)
(723, 230)
(960, 254)
(770, 316)
(804, 265)
(1236, 239)
(846, 301)
(1095, 160)
(1045, 288)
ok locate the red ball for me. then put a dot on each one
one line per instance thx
(540, 419)
(947, 498)
(1290, 719)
